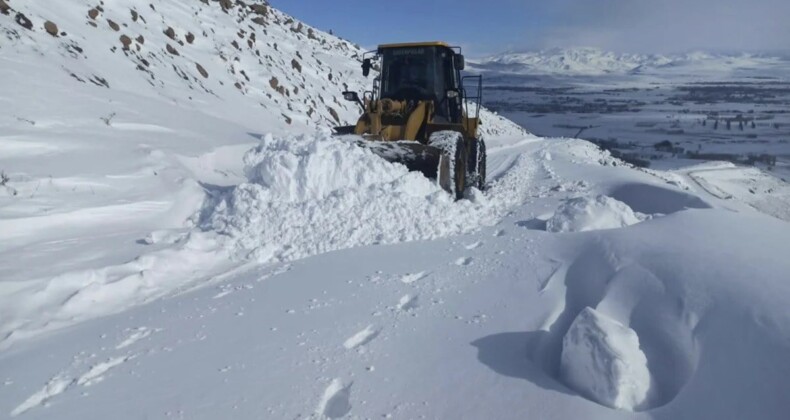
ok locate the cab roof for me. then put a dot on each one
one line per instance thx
(414, 44)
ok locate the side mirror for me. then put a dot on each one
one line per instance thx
(366, 65)
(452, 94)
(460, 63)
(353, 97)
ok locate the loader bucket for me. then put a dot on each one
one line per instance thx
(414, 155)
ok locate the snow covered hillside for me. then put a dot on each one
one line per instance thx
(187, 243)
(107, 142)
(593, 62)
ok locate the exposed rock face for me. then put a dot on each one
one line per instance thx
(172, 50)
(51, 28)
(4, 7)
(201, 70)
(226, 4)
(190, 38)
(115, 27)
(140, 40)
(93, 13)
(260, 9)
(126, 41)
(171, 33)
(333, 113)
(23, 21)
(296, 66)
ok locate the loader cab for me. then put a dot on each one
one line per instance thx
(423, 72)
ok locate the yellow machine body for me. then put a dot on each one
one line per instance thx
(418, 113)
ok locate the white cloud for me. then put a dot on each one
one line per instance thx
(668, 25)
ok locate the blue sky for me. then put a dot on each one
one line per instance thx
(488, 27)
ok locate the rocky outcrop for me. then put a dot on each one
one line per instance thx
(4, 7)
(23, 21)
(126, 42)
(51, 28)
(201, 70)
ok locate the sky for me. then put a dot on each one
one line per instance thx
(494, 26)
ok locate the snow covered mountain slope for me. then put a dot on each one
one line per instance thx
(171, 246)
(107, 142)
(595, 62)
(487, 324)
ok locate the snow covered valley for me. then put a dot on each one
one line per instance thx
(169, 252)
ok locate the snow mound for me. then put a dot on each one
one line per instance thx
(493, 125)
(310, 194)
(601, 359)
(302, 168)
(592, 213)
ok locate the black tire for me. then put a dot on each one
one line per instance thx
(482, 167)
(476, 164)
(451, 173)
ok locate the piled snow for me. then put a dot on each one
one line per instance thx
(592, 213)
(309, 194)
(493, 125)
(601, 359)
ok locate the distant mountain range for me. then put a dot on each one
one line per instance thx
(592, 61)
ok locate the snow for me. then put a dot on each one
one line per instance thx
(166, 251)
(310, 194)
(601, 358)
(591, 213)
(585, 61)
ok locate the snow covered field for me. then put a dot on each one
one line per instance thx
(169, 251)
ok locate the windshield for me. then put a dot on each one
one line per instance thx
(410, 73)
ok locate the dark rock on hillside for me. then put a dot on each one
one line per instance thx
(51, 28)
(23, 21)
(201, 70)
(126, 41)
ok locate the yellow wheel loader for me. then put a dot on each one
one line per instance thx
(420, 114)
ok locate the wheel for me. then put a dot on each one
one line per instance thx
(476, 164)
(451, 174)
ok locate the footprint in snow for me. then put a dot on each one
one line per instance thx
(463, 261)
(136, 335)
(408, 302)
(411, 278)
(362, 337)
(336, 400)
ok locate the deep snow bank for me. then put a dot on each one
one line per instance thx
(310, 194)
(601, 358)
(592, 213)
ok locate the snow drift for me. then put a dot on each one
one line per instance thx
(601, 358)
(592, 213)
(310, 194)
